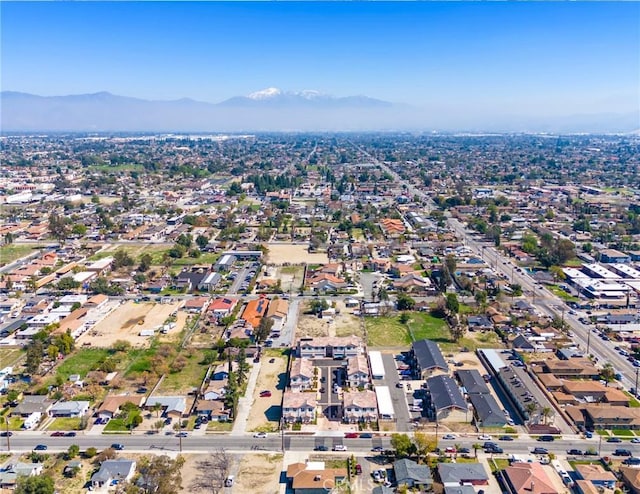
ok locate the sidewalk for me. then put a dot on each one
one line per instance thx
(244, 403)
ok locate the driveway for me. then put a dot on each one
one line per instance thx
(329, 401)
(398, 397)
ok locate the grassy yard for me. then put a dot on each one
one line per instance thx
(389, 331)
(15, 424)
(562, 294)
(633, 402)
(139, 360)
(623, 432)
(207, 258)
(65, 424)
(13, 252)
(498, 464)
(81, 362)
(9, 356)
(135, 251)
(115, 425)
(216, 426)
(188, 378)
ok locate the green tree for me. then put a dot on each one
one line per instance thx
(608, 373)
(452, 304)
(404, 318)
(68, 283)
(264, 329)
(401, 443)
(481, 298)
(405, 302)
(73, 451)
(34, 357)
(121, 258)
(202, 241)
(145, 262)
(37, 484)
(79, 229)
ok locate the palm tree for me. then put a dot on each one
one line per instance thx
(476, 447)
(546, 413)
(531, 407)
(156, 408)
(608, 373)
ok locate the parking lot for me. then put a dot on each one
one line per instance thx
(331, 380)
(398, 395)
(242, 277)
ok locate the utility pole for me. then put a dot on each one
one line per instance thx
(636, 390)
(589, 342)
(6, 422)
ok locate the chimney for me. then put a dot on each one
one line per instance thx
(532, 485)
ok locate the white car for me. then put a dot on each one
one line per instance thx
(484, 437)
(635, 440)
(339, 447)
(260, 435)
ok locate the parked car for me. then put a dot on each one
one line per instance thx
(228, 482)
(588, 434)
(622, 452)
(40, 447)
(540, 451)
(6, 434)
(366, 435)
(449, 436)
(117, 446)
(358, 469)
(59, 434)
(614, 440)
(505, 438)
(494, 449)
(484, 437)
(182, 434)
(591, 452)
(351, 435)
(377, 449)
(265, 394)
(546, 438)
(635, 440)
(574, 452)
(260, 435)
(339, 447)
(70, 434)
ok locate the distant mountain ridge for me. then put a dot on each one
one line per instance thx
(271, 109)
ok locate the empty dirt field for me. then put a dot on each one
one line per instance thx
(126, 322)
(265, 412)
(342, 324)
(294, 254)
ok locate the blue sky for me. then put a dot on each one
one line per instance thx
(529, 58)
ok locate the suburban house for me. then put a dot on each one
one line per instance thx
(454, 474)
(427, 358)
(110, 470)
(221, 371)
(69, 409)
(216, 389)
(221, 307)
(277, 311)
(359, 406)
(197, 305)
(298, 407)
(10, 474)
(314, 478)
(213, 410)
(411, 474)
(330, 346)
(528, 478)
(172, 406)
(597, 475)
(324, 282)
(631, 478)
(301, 375)
(357, 371)
(31, 404)
(110, 407)
(255, 310)
(446, 398)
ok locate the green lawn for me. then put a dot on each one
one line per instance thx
(388, 331)
(12, 252)
(498, 464)
(623, 432)
(562, 294)
(136, 251)
(65, 424)
(216, 426)
(189, 377)
(207, 258)
(15, 424)
(81, 362)
(115, 425)
(139, 360)
(9, 356)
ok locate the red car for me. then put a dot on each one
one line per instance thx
(351, 435)
(57, 434)
(265, 394)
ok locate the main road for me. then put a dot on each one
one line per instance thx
(545, 301)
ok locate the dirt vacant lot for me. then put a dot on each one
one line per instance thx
(343, 324)
(265, 412)
(294, 254)
(126, 322)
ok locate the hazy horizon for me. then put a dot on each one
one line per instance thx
(465, 60)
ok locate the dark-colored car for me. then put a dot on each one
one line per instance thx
(546, 438)
(377, 449)
(358, 469)
(494, 449)
(505, 438)
(489, 444)
(40, 447)
(464, 450)
(614, 440)
(6, 434)
(321, 448)
(591, 452)
(70, 434)
(57, 434)
(574, 452)
(622, 452)
(117, 446)
(540, 451)
(366, 435)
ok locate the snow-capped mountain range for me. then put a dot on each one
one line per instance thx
(273, 109)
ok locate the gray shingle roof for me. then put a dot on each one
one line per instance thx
(461, 472)
(408, 469)
(445, 393)
(488, 410)
(428, 355)
(472, 381)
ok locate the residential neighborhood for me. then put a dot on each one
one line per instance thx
(314, 313)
